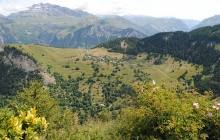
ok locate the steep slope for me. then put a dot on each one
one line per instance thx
(68, 36)
(43, 34)
(191, 24)
(209, 21)
(6, 34)
(4, 20)
(92, 35)
(154, 25)
(13, 78)
(121, 22)
(17, 69)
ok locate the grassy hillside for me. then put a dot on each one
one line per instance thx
(96, 81)
(65, 61)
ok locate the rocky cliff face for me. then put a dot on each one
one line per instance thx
(20, 61)
(24, 62)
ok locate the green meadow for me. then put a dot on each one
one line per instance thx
(74, 63)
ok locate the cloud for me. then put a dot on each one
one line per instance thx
(85, 6)
(121, 7)
(10, 6)
(101, 7)
(6, 1)
(73, 4)
(6, 10)
(195, 9)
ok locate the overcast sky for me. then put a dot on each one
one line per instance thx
(184, 9)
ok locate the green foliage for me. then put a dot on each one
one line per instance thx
(21, 125)
(115, 45)
(157, 113)
(36, 96)
(115, 89)
(183, 75)
(63, 124)
(67, 66)
(92, 129)
(171, 113)
(69, 95)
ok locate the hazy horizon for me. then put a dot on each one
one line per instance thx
(196, 9)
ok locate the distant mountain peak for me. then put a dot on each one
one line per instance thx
(41, 6)
(50, 10)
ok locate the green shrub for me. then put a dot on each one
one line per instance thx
(170, 113)
(21, 125)
(67, 66)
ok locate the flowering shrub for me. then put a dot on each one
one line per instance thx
(171, 113)
(21, 125)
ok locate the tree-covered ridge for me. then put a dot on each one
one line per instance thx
(197, 46)
(122, 45)
(194, 46)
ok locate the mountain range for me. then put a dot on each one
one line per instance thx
(152, 25)
(209, 21)
(57, 26)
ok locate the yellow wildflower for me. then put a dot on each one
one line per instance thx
(31, 115)
(44, 122)
(16, 125)
(22, 115)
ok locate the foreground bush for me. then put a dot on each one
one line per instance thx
(21, 125)
(170, 113)
(157, 113)
(92, 129)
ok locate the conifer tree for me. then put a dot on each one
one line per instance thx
(36, 96)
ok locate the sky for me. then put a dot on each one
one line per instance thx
(183, 9)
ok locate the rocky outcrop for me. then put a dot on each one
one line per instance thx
(21, 61)
(24, 62)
